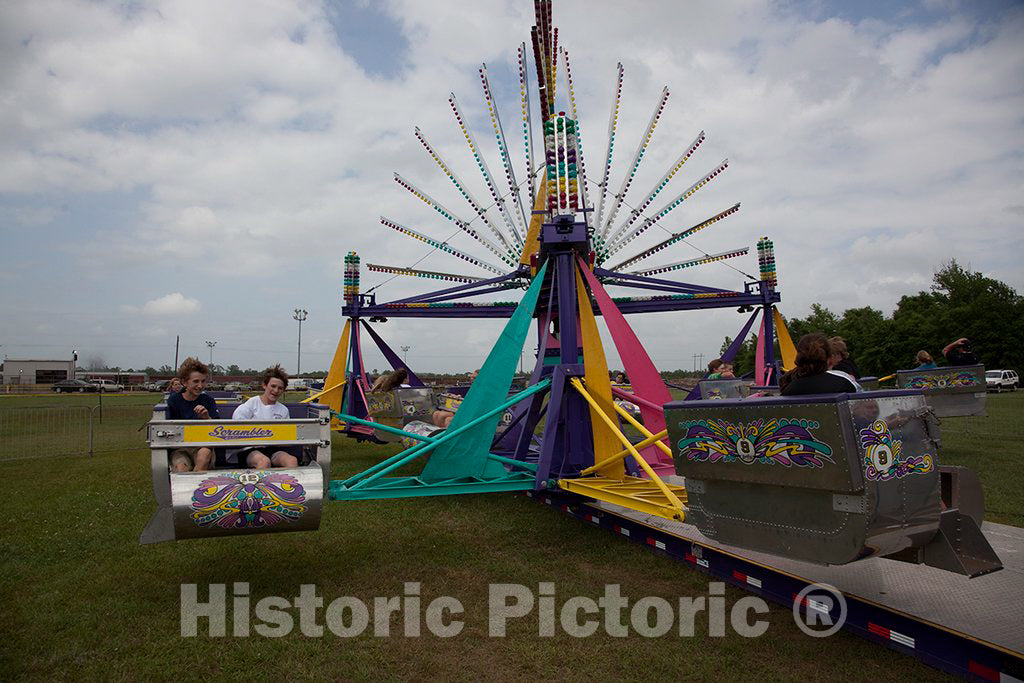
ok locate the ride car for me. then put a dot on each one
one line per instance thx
(73, 385)
(1001, 380)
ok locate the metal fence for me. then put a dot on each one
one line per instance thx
(49, 431)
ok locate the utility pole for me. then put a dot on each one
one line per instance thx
(405, 354)
(211, 344)
(177, 341)
(300, 315)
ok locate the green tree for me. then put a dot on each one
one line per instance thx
(986, 311)
(961, 303)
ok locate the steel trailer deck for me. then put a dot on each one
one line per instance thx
(970, 627)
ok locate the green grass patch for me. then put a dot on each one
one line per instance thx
(993, 447)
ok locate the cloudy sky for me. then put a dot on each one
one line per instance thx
(201, 168)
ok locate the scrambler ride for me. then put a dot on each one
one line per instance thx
(829, 480)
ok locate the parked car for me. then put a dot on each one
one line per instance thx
(158, 385)
(107, 385)
(1001, 380)
(236, 386)
(70, 385)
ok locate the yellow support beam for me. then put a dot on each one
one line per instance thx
(643, 430)
(334, 390)
(634, 493)
(668, 502)
(786, 347)
(596, 375)
(621, 455)
(531, 243)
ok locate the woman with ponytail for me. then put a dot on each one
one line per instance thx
(811, 374)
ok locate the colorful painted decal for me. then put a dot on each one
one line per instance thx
(242, 432)
(883, 455)
(248, 500)
(960, 379)
(765, 441)
(380, 402)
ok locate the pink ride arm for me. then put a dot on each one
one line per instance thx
(643, 375)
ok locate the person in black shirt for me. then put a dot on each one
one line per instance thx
(811, 375)
(959, 353)
(192, 404)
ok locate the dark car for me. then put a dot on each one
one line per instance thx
(69, 385)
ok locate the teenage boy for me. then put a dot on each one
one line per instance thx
(265, 407)
(192, 404)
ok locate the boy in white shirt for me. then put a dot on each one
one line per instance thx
(265, 407)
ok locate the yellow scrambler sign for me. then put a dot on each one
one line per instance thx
(241, 432)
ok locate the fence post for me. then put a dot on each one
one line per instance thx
(91, 411)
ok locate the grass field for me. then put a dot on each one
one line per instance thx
(86, 601)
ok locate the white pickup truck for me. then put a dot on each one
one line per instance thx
(107, 385)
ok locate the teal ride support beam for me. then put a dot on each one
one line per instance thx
(394, 462)
(384, 428)
(467, 456)
(460, 459)
(411, 487)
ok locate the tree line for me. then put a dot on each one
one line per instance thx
(960, 303)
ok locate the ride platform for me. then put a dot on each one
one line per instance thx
(968, 627)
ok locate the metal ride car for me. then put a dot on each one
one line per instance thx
(73, 385)
(1001, 380)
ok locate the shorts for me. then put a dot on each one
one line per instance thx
(237, 458)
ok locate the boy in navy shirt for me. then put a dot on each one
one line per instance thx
(192, 404)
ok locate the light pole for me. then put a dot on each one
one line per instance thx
(211, 344)
(300, 315)
(405, 354)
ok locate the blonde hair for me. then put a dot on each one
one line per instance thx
(838, 347)
(924, 357)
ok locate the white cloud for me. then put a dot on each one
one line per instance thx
(175, 303)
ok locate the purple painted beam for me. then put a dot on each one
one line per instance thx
(462, 288)
(392, 357)
(603, 273)
(504, 311)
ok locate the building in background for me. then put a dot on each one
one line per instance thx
(34, 371)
